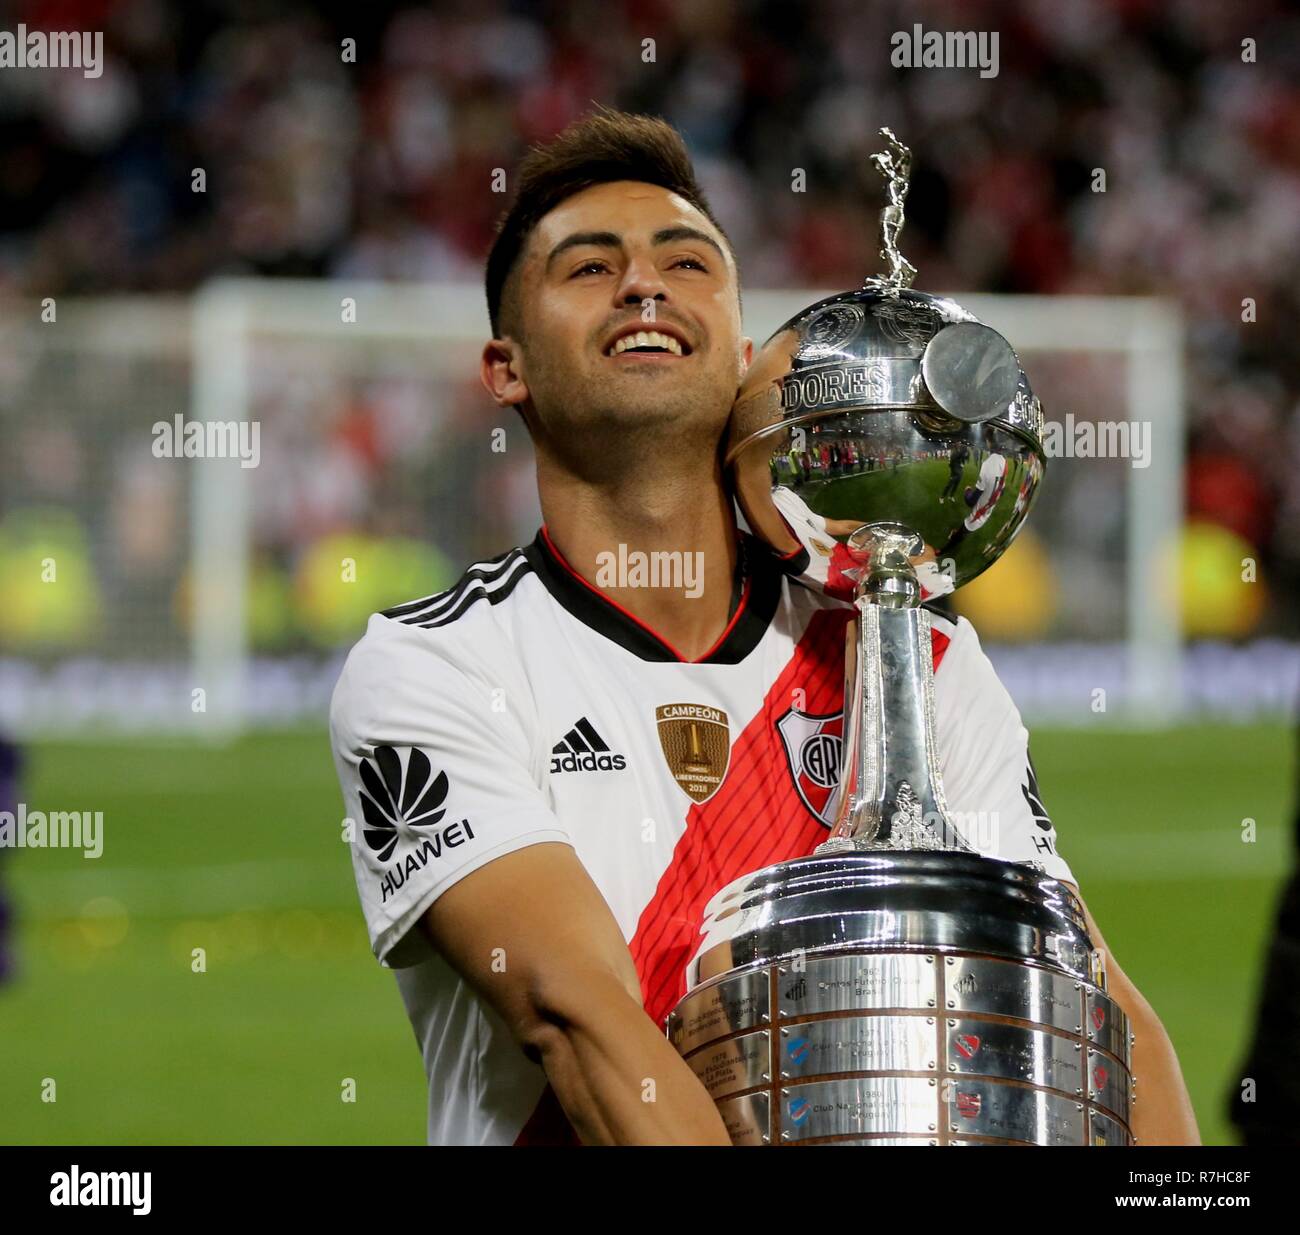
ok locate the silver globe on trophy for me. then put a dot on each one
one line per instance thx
(895, 986)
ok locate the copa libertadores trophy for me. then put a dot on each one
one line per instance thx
(895, 986)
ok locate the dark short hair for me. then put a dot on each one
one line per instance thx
(604, 146)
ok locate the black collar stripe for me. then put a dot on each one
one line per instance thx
(747, 626)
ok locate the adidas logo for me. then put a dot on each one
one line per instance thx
(582, 749)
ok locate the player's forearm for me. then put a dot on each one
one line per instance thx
(1162, 1114)
(620, 1082)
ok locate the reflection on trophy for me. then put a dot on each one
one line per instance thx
(895, 987)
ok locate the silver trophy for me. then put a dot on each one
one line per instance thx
(895, 987)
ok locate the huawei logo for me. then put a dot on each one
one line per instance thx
(392, 797)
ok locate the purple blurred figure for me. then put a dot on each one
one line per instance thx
(10, 762)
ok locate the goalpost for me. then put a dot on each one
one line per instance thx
(448, 325)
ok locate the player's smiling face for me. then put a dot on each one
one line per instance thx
(630, 314)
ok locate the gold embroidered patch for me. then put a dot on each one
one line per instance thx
(696, 741)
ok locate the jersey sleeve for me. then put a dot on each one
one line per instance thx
(431, 746)
(989, 779)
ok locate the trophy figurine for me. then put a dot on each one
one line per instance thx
(896, 986)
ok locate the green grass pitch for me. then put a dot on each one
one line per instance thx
(237, 850)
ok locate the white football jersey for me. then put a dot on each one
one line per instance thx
(992, 480)
(522, 706)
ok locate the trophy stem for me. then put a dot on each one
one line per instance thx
(891, 793)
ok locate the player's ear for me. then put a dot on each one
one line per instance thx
(501, 372)
(746, 353)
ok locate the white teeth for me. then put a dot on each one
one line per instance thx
(646, 338)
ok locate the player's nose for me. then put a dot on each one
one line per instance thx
(641, 281)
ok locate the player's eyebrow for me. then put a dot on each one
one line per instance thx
(599, 240)
(666, 235)
(612, 240)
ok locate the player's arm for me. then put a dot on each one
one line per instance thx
(466, 855)
(1162, 1113)
(531, 933)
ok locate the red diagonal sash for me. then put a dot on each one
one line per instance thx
(755, 819)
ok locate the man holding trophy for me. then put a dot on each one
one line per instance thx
(763, 860)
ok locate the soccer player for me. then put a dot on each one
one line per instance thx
(982, 497)
(553, 766)
(956, 465)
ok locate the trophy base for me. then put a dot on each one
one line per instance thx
(839, 1000)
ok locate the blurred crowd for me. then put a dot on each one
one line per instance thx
(320, 162)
